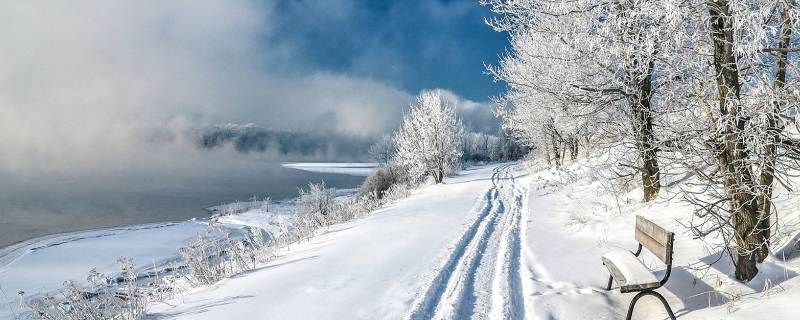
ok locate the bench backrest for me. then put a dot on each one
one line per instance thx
(655, 238)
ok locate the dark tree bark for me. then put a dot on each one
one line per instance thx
(639, 77)
(572, 143)
(547, 156)
(774, 131)
(731, 152)
(642, 122)
(555, 144)
(438, 174)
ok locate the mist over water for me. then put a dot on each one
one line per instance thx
(115, 113)
(54, 203)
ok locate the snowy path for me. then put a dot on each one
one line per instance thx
(375, 268)
(481, 278)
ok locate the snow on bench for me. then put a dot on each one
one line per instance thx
(628, 270)
(631, 274)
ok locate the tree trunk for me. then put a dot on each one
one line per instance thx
(556, 150)
(547, 156)
(731, 153)
(643, 127)
(774, 131)
(438, 175)
(572, 143)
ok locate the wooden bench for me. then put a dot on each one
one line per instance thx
(631, 274)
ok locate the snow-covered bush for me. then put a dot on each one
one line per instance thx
(210, 258)
(118, 298)
(205, 259)
(396, 192)
(383, 179)
(317, 202)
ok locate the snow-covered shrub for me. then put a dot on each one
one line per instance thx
(383, 179)
(362, 205)
(118, 298)
(261, 245)
(317, 202)
(397, 191)
(205, 259)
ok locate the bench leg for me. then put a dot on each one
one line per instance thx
(610, 278)
(652, 293)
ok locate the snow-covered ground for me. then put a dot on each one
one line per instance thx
(493, 242)
(41, 265)
(375, 267)
(353, 169)
(573, 220)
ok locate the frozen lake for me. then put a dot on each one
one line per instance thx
(54, 203)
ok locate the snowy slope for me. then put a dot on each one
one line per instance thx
(573, 220)
(375, 267)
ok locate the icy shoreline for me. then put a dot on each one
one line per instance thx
(354, 169)
(41, 265)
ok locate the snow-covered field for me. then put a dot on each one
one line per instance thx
(493, 242)
(353, 169)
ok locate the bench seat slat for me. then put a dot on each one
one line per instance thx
(628, 271)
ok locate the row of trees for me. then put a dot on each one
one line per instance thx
(706, 86)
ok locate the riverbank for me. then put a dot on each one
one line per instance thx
(39, 266)
(57, 204)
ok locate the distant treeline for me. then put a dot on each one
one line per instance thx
(251, 138)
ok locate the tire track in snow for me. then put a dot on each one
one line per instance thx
(481, 277)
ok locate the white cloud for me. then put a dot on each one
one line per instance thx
(92, 85)
(477, 116)
(87, 83)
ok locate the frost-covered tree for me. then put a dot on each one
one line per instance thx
(428, 142)
(707, 86)
(582, 69)
(382, 150)
(748, 135)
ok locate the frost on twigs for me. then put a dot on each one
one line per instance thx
(696, 94)
(105, 297)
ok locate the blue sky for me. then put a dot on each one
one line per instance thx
(414, 44)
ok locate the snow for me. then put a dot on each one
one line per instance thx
(268, 221)
(42, 265)
(497, 241)
(369, 268)
(574, 220)
(481, 274)
(630, 267)
(353, 169)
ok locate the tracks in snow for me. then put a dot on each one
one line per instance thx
(481, 278)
